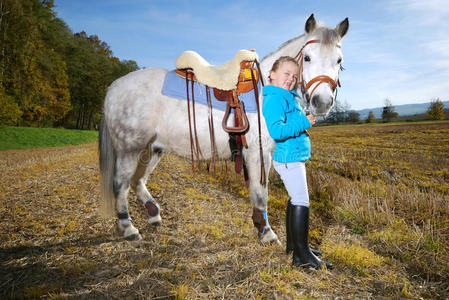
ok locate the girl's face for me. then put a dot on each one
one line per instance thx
(285, 76)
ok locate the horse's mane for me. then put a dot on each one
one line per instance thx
(283, 44)
(327, 36)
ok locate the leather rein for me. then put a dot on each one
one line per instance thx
(318, 79)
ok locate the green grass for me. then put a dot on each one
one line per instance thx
(27, 137)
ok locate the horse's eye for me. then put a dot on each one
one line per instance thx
(306, 58)
(339, 61)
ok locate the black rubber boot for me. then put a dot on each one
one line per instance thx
(289, 246)
(289, 242)
(299, 226)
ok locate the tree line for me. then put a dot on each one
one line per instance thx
(50, 76)
(341, 113)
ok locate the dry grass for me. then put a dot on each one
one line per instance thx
(380, 215)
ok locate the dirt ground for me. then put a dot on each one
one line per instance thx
(53, 244)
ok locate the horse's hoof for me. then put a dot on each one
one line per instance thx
(131, 233)
(155, 221)
(269, 237)
(133, 237)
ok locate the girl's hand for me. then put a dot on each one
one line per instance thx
(312, 119)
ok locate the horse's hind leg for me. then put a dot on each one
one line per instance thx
(125, 168)
(148, 159)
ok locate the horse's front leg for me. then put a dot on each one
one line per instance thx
(259, 195)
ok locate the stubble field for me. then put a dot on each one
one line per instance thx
(380, 214)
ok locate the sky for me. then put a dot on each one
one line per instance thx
(395, 49)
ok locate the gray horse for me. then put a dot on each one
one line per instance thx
(140, 124)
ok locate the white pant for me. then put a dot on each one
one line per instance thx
(293, 175)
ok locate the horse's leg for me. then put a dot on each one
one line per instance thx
(259, 195)
(125, 168)
(148, 159)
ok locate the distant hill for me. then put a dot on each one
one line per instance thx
(402, 110)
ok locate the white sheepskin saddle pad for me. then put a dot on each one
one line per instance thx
(224, 77)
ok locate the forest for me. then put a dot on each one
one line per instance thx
(49, 75)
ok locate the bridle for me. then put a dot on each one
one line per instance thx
(318, 79)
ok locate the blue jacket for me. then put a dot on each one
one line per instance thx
(286, 123)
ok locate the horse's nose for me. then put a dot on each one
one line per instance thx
(317, 101)
(322, 106)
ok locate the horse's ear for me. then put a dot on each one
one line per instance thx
(342, 28)
(310, 24)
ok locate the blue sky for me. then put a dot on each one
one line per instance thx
(395, 49)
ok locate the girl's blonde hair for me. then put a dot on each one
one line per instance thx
(281, 60)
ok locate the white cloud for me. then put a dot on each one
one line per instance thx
(428, 13)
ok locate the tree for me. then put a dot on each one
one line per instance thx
(370, 118)
(32, 71)
(353, 117)
(48, 75)
(436, 110)
(338, 112)
(9, 110)
(388, 112)
(91, 69)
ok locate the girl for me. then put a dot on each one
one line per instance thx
(287, 125)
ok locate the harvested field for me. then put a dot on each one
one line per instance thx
(380, 214)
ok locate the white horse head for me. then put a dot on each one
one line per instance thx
(320, 63)
(319, 55)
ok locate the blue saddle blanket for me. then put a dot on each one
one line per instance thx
(175, 87)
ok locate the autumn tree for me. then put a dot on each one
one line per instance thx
(33, 72)
(370, 118)
(48, 75)
(388, 112)
(91, 69)
(9, 110)
(436, 110)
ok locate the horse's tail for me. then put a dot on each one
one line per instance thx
(107, 169)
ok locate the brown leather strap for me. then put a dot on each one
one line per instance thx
(307, 43)
(211, 129)
(238, 112)
(190, 123)
(194, 144)
(197, 144)
(318, 79)
(256, 96)
(260, 73)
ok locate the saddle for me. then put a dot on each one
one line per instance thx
(224, 77)
(227, 81)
